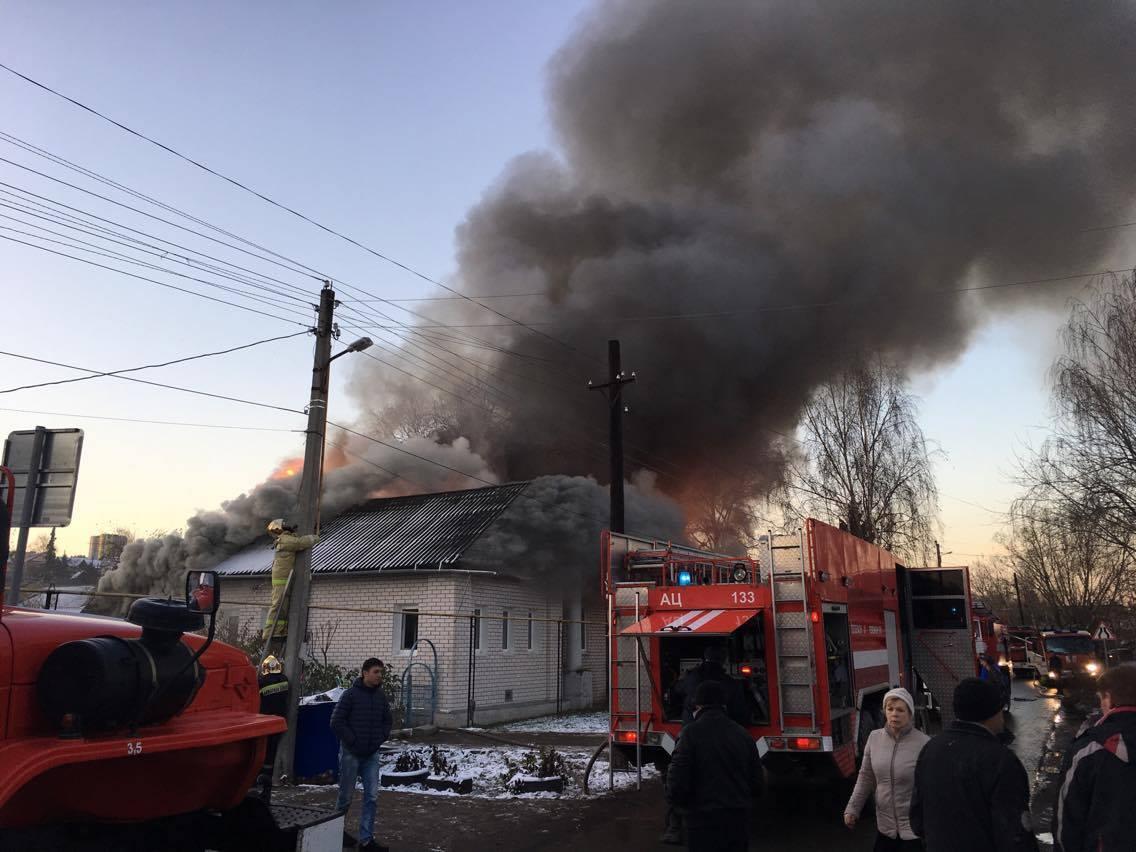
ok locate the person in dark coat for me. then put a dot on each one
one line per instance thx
(714, 776)
(362, 722)
(971, 792)
(1096, 802)
(713, 667)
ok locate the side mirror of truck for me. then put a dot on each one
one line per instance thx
(202, 592)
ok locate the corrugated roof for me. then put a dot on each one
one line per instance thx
(420, 531)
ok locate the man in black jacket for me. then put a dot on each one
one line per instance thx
(713, 667)
(971, 792)
(1096, 803)
(362, 722)
(714, 775)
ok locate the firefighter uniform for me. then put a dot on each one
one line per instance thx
(273, 702)
(287, 545)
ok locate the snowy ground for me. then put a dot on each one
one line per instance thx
(571, 723)
(490, 772)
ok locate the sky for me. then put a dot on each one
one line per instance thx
(386, 121)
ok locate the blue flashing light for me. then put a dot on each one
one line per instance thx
(684, 578)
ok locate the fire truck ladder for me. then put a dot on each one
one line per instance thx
(793, 636)
(625, 661)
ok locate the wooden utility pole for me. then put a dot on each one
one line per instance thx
(614, 386)
(307, 523)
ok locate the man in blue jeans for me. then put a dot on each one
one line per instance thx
(362, 722)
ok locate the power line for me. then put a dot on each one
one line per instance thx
(149, 422)
(284, 207)
(153, 384)
(835, 303)
(154, 366)
(35, 207)
(83, 245)
(153, 281)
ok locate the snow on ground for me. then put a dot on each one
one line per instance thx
(571, 723)
(489, 771)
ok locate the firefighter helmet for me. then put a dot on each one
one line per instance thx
(277, 526)
(271, 665)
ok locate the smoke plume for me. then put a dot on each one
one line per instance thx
(748, 195)
(158, 565)
(797, 184)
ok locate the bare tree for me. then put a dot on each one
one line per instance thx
(865, 463)
(1059, 554)
(1088, 465)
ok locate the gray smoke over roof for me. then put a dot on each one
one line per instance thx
(158, 565)
(801, 181)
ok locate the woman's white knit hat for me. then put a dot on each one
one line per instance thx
(902, 694)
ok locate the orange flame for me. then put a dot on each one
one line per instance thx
(334, 459)
(288, 468)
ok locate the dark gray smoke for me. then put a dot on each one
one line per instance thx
(736, 162)
(553, 529)
(158, 565)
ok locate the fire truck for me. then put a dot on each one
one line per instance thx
(816, 630)
(136, 735)
(1068, 657)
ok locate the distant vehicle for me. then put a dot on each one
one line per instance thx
(1025, 651)
(1068, 657)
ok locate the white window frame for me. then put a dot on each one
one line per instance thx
(400, 628)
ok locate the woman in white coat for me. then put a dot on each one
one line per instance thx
(888, 772)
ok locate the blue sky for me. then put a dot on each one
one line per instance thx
(384, 120)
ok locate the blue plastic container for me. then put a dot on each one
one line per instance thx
(317, 749)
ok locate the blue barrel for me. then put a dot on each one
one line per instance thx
(317, 749)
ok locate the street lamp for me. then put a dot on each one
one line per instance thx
(358, 346)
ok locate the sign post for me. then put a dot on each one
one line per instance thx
(1104, 634)
(45, 466)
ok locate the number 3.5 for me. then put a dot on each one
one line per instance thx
(134, 748)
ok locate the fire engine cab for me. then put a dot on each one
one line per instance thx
(814, 632)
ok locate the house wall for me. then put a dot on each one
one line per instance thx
(511, 682)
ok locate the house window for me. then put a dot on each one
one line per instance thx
(409, 632)
(505, 630)
(529, 644)
(477, 630)
(583, 631)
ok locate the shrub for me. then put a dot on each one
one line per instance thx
(409, 761)
(440, 764)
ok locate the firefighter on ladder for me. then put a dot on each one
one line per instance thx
(287, 544)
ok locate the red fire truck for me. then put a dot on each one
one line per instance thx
(816, 630)
(135, 735)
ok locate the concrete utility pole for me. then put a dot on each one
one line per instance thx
(938, 556)
(1018, 593)
(614, 386)
(307, 523)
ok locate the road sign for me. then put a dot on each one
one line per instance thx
(57, 473)
(1103, 633)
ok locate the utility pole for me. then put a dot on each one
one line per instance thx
(307, 523)
(614, 386)
(1018, 592)
(938, 556)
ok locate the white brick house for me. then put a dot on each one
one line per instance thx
(397, 570)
